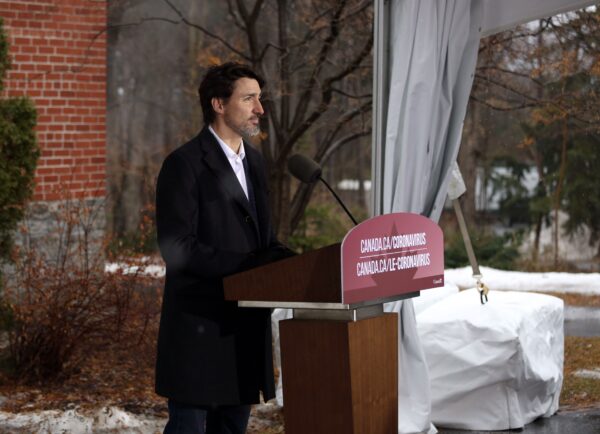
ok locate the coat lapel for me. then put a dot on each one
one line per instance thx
(260, 193)
(216, 160)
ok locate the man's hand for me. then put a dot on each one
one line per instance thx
(266, 256)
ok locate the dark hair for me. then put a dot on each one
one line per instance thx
(218, 83)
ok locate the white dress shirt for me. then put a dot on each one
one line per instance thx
(236, 161)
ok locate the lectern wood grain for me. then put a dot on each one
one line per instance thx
(340, 377)
(311, 277)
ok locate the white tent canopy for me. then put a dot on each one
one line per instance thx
(496, 16)
(425, 57)
(500, 15)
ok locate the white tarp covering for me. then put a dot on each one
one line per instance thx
(424, 301)
(496, 366)
(276, 316)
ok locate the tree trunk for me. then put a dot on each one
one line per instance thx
(559, 184)
(468, 158)
(535, 253)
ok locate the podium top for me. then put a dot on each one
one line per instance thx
(313, 277)
(383, 259)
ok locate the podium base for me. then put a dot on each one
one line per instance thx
(340, 377)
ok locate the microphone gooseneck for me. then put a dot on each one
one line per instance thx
(308, 171)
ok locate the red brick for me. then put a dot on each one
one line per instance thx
(22, 58)
(18, 23)
(20, 42)
(58, 63)
(28, 49)
(25, 15)
(33, 24)
(42, 49)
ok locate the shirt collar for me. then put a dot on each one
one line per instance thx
(228, 151)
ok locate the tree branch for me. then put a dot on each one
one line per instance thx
(348, 95)
(236, 19)
(504, 86)
(342, 121)
(341, 142)
(305, 98)
(326, 96)
(208, 33)
(510, 72)
(500, 108)
(304, 191)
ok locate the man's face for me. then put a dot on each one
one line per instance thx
(242, 111)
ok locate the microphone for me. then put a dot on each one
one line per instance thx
(308, 171)
(304, 169)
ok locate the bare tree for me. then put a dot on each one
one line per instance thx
(311, 52)
(544, 76)
(316, 56)
(150, 109)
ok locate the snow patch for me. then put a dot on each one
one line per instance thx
(501, 280)
(107, 419)
(593, 374)
(152, 270)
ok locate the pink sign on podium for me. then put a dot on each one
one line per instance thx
(391, 255)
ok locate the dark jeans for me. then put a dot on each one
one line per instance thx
(189, 419)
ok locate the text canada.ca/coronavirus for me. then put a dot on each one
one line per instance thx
(381, 244)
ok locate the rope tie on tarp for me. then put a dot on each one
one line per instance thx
(456, 188)
(481, 287)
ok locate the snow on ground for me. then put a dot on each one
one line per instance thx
(578, 283)
(105, 420)
(144, 267)
(108, 420)
(593, 374)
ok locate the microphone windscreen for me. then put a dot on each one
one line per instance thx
(303, 168)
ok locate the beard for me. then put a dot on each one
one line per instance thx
(244, 129)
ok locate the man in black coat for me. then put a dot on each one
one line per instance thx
(213, 220)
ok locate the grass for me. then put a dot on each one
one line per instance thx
(125, 379)
(580, 353)
(577, 299)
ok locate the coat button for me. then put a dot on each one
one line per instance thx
(247, 218)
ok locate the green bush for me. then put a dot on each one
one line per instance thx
(322, 225)
(492, 250)
(18, 155)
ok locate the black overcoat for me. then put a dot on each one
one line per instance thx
(210, 352)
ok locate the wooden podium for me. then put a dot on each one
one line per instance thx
(339, 354)
(339, 362)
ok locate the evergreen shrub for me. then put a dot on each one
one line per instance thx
(18, 155)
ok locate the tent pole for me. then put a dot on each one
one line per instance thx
(380, 100)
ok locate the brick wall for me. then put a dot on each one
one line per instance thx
(58, 53)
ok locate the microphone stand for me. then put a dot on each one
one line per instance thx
(339, 200)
